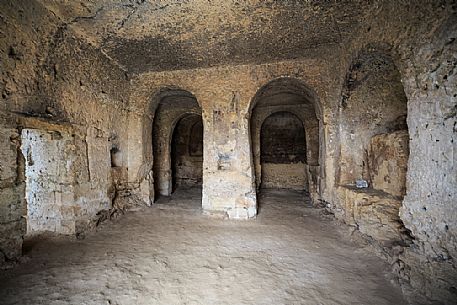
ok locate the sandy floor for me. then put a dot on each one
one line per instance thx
(171, 254)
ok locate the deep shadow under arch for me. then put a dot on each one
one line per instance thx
(187, 152)
(289, 95)
(283, 152)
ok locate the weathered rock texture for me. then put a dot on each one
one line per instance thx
(388, 162)
(373, 102)
(54, 85)
(49, 162)
(374, 84)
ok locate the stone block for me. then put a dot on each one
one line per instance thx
(284, 175)
(224, 189)
(374, 212)
(388, 162)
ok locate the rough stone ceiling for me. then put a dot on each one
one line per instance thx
(157, 35)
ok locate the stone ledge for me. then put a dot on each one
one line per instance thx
(374, 212)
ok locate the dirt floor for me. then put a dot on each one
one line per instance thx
(172, 254)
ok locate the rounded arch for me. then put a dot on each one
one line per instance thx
(370, 49)
(146, 121)
(283, 152)
(288, 111)
(373, 102)
(180, 117)
(373, 139)
(287, 94)
(167, 91)
(186, 169)
(289, 85)
(172, 106)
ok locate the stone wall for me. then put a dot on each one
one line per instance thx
(373, 102)
(54, 82)
(380, 76)
(292, 176)
(388, 162)
(226, 96)
(429, 209)
(420, 37)
(19, 45)
(49, 158)
(394, 59)
(12, 190)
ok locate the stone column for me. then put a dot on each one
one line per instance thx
(228, 185)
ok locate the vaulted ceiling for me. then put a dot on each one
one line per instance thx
(156, 35)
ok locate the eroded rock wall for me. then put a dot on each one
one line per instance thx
(49, 195)
(366, 73)
(420, 37)
(20, 44)
(388, 162)
(429, 208)
(92, 95)
(409, 47)
(373, 102)
(53, 81)
(12, 190)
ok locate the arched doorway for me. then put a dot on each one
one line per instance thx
(285, 136)
(177, 142)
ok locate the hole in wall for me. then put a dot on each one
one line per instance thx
(116, 156)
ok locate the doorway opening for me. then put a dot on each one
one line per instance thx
(285, 138)
(177, 144)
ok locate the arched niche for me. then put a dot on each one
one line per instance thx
(374, 133)
(292, 96)
(374, 147)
